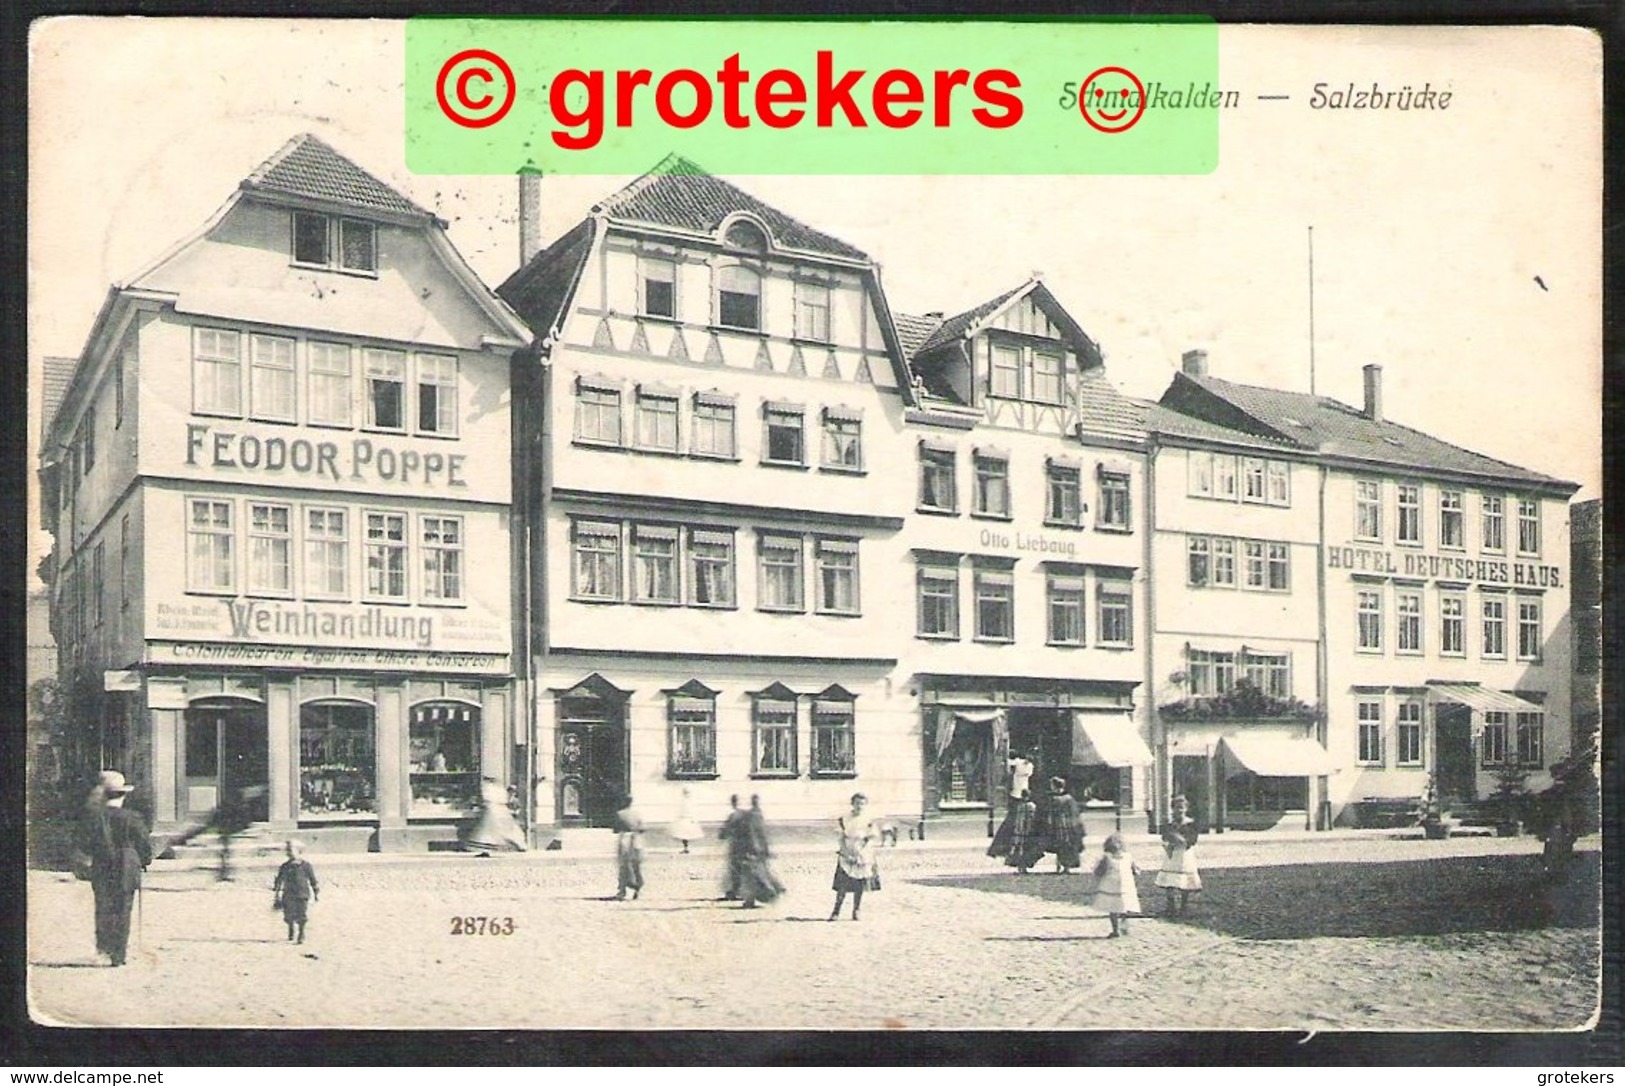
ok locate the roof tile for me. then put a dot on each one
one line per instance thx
(307, 167)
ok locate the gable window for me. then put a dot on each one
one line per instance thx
(837, 566)
(212, 566)
(386, 555)
(271, 379)
(691, 731)
(358, 248)
(327, 552)
(812, 311)
(1452, 530)
(318, 239)
(1529, 632)
(1062, 504)
(1114, 501)
(739, 298)
(656, 419)
(1408, 734)
(658, 280)
(1408, 609)
(1368, 620)
(1369, 714)
(1367, 509)
(1528, 526)
(1004, 378)
(270, 549)
(310, 238)
(598, 412)
(217, 372)
(654, 564)
(1495, 737)
(1410, 514)
(437, 394)
(773, 724)
(843, 439)
(938, 587)
(995, 604)
(1116, 622)
(442, 558)
(712, 426)
(597, 560)
(779, 557)
(1452, 623)
(711, 567)
(1064, 602)
(1252, 479)
(1529, 741)
(1278, 483)
(386, 389)
(833, 733)
(1494, 627)
(1046, 383)
(785, 434)
(938, 490)
(1492, 514)
(992, 493)
(328, 384)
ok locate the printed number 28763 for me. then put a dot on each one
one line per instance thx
(483, 925)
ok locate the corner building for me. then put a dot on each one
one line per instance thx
(279, 488)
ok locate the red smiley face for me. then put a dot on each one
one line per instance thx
(1109, 103)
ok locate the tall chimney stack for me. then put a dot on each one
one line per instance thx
(530, 213)
(1373, 392)
(1194, 363)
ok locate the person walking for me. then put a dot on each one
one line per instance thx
(733, 832)
(116, 844)
(1063, 828)
(494, 829)
(757, 882)
(1017, 839)
(685, 829)
(1179, 873)
(628, 851)
(854, 858)
(1115, 892)
(294, 889)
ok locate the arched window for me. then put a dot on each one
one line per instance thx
(746, 235)
(739, 297)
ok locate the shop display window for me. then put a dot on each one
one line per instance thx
(337, 761)
(445, 773)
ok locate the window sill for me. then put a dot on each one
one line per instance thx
(595, 599)
(659, 318)
(607, 446)
(656, 603)
(811, 341)
(279, 597)
(1535, 555)
(834, 774)
(394, 431)
(1065, 644)
(935, 511)
(713, 606)
(836, 469)
(1114, 529)
(838, 614)
(1535, 660)
(1408, 765)
(1454, 548)
(216, 593)
(1119, 646)
(653, 450)
(781, 610)
(386, 601)
(205, 412)
(1368, 539)
(435, 435)
(737, 330)
(444, 605)
(358, 273)
(1065, 525)
(315, 424)
(936, 637)
(262, 420)
(1453, 655)
(715, 458)
(1371, 765)
(994, 640)
(789, 465)
(692, 774)
(1409, 652)
(775, 775)
(1409, 544)
(1005, 518)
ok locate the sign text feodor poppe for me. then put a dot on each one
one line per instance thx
(1443, 567)
(359, 459)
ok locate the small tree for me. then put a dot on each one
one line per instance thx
(1511, 792)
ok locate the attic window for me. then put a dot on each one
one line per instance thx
(747, 236)
(325, 241)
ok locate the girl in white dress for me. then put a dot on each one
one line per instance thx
(685, 829)
(1115, 892)
(1179, 869)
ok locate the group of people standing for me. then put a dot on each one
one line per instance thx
(1030, 832)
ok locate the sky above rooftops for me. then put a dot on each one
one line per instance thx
(1430, 228)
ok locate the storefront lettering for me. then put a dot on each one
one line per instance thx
(1444, 567)
(250, 618)
(186, 652)
(1021, 541)
(361, 461)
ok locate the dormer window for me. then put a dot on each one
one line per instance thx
(1021, 371)
(326, 241)
(745, 235)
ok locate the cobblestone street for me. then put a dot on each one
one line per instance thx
(1315, 933)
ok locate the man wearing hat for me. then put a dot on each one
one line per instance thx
(116, 841)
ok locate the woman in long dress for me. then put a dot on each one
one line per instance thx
(628, 852)
(1017, 840)
(1179, 872)
(1064, 829)
(495, 829)
(855, 857)
(757, 882)
(685, 829)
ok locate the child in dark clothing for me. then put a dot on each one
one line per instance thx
(295, 888)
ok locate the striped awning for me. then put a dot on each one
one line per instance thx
(1481, 699)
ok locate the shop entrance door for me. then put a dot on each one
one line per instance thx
(1453, 749)
(228, 742)
(592, 756)
(1045, 736)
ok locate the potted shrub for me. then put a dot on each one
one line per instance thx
(1511, 794)
(1431, 814)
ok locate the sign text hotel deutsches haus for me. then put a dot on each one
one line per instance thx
(1354, 558)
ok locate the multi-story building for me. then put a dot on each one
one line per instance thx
(1440, 594)
(1025, 557)
(279, 488)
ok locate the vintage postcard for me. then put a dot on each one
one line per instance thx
(802, 589)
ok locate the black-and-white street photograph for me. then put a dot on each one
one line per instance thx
(698, 600)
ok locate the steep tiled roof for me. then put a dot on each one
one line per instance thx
(955, 326)
(539, 291)
(1168, 422)
(305, 166)
(912, 331)
(58, 374)
(1333, 428)
(1102, 409)
(678, 193)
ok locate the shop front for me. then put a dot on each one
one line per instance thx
(1249, 776)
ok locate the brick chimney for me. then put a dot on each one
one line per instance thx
(1194, 363)
(530, 213)
(1373, 392)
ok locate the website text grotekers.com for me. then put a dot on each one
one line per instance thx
(685, 98)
